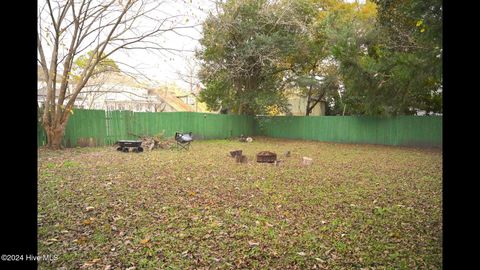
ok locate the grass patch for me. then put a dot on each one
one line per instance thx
(356, 206)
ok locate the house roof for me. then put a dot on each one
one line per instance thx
(176, 103)
(178, 92)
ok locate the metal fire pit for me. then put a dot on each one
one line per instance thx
(266, 157)
(126, 145)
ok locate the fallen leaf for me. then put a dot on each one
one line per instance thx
(252, 244)
(87, 222)
(87, 264)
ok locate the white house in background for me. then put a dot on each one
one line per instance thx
(297, 103)
(298, 106)
(115, 91)
(42, 91)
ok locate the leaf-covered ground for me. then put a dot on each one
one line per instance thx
(355, 207)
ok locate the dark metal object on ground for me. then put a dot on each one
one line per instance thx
(245, 139)
(126, 145)
(183, 140)
(266, 157)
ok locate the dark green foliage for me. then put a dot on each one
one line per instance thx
(361, 59)
(395, 66)
(242, 50)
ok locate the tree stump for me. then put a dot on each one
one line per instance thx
(241, 158)
(235, 153)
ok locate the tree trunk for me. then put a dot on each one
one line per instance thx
(55, 136)
(309, 100)
(307, 111)
(240, 109)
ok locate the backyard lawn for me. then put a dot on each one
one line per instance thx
(355, 207)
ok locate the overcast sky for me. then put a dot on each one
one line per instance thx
(164, 67)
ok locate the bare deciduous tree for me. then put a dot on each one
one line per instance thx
(190, 77)
(190, 74)
(69, 27)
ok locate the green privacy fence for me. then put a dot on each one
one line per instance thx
(400, 130)
(98, 127)
(41, 138)
(86, 128)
